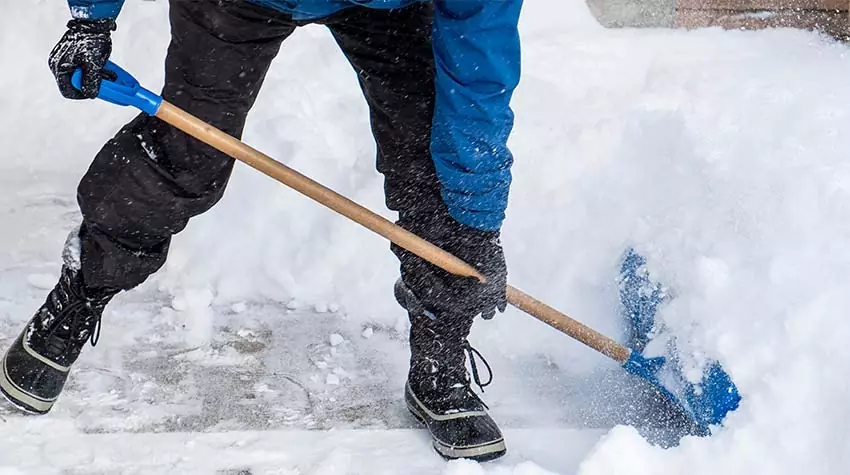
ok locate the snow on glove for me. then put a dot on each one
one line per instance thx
(482, 250)
(87, 44)
(441, 293)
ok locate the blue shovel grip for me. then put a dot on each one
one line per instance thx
(124, 91)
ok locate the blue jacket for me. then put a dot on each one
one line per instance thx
(477, 55)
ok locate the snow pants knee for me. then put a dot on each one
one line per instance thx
(150, 179)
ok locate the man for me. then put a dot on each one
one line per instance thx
(438, 78)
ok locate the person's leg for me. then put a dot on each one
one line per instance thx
(149, 180)
(392, 54)
(144, 185)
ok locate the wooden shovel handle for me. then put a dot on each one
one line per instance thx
(571, 327)
(380, 225)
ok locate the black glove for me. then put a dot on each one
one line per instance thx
(482, 250)
(87, 44)
(440, 292)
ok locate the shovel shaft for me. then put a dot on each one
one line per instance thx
(571, 327)
(382, 226)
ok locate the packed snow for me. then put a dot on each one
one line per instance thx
(270, 342)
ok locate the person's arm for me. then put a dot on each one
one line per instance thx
(95, 9)
(477, 53)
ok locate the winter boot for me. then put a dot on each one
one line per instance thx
(438, 391)
(36, 366)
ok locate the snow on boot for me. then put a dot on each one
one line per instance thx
(438, 391)
(36, 366)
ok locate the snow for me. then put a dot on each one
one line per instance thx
(335, 338)
(468, 467)
(42, 281)
(720, 155)
(269, 452)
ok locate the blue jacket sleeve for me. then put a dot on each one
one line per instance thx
(95, 9)
(477, 54)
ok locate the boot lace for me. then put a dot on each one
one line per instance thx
(78, 323)
(471, 353)
(69, 327)
(457, 383)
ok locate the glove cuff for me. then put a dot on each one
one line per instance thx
(99, 26)
(468, 234)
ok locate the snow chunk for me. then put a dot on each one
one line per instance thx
(195, 305)
(336, 339)
(71, 251)
(42, 281)
(193, 299)
(464, 467)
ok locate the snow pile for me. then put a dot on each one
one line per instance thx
(722, 156)
(467, 467)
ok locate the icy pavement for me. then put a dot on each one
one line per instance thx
(183, 385)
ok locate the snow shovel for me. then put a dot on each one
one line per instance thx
(705, 402)
(640, 298)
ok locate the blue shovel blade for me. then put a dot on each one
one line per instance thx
(639, 300)
(713, 398)
(706, 402)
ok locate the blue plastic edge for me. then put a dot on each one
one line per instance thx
(648, 368)
(124, 91)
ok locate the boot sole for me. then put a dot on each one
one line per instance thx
(19, 398)
(479, 453)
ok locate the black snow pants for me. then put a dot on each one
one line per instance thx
(150, 179)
